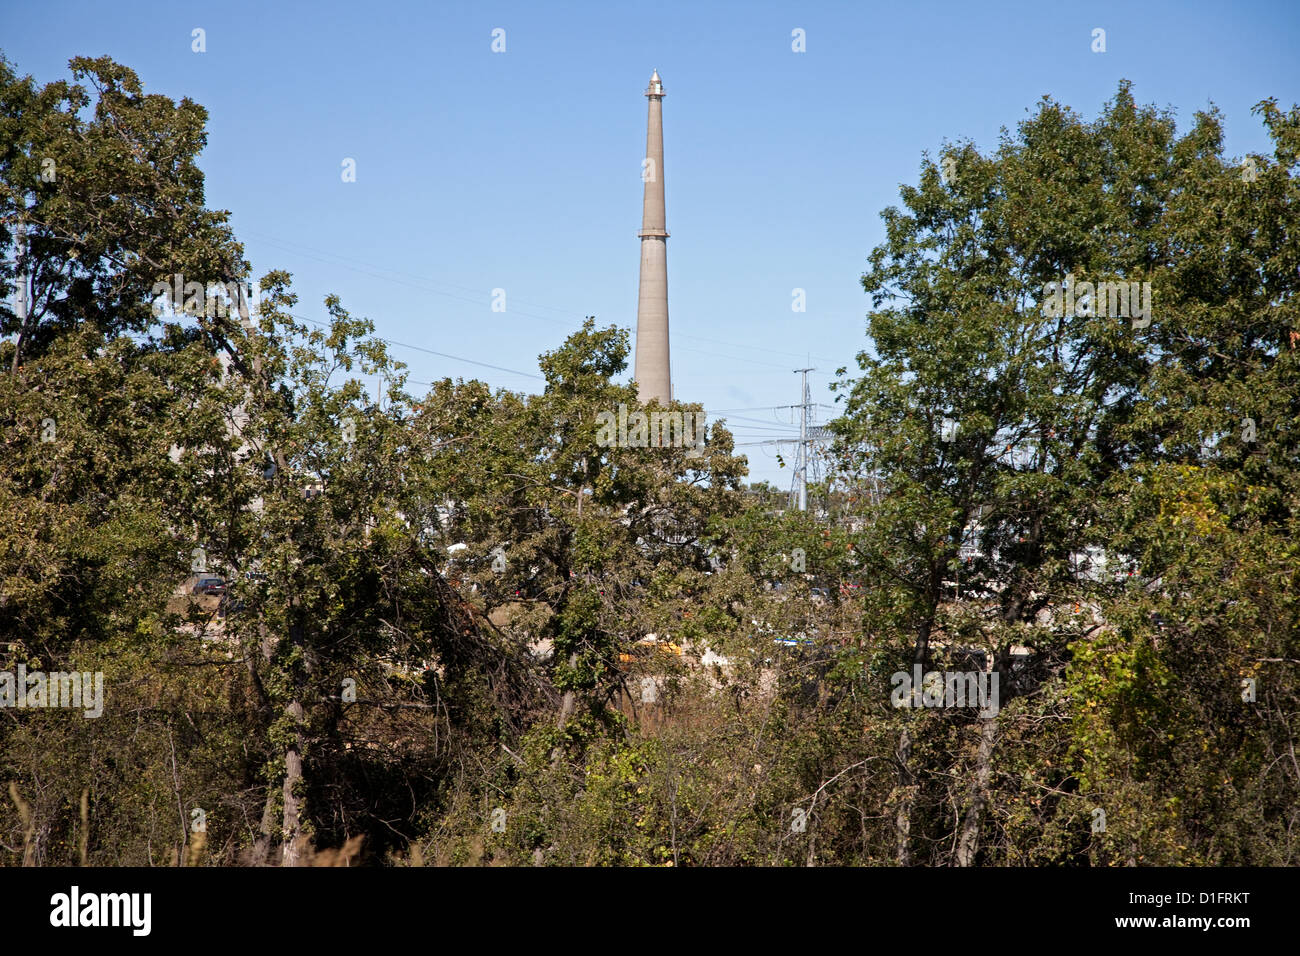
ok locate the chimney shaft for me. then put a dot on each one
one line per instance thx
(653, 368)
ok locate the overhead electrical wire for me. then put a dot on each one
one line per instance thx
(320, 254)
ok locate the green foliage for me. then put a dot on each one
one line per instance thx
(461, 626)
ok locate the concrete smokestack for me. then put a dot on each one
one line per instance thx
(653, 368)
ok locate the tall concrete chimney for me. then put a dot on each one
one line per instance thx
(653, 368)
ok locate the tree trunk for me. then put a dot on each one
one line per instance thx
(28, 820)
(23, 303)
(83, 838)
(906, 797)
(262, 846)
(294, 840)
(968, 842)
(261, 851)
(569, 702)
(907, 788)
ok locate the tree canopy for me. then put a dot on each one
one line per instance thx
(463, 628)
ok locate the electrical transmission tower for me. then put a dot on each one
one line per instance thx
(808, 435)
(801, 468)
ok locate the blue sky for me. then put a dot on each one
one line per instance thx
(521, 170)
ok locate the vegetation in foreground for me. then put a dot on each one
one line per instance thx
(362, 691)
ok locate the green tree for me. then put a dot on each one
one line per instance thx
(1051, 411)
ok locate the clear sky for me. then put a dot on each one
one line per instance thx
(521, 170)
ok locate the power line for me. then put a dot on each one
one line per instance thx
(320, 254)
(421, 348)
(771, 424)
(762, 427)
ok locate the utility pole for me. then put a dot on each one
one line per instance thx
(801, 472)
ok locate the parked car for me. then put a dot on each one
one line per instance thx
(213, 584)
